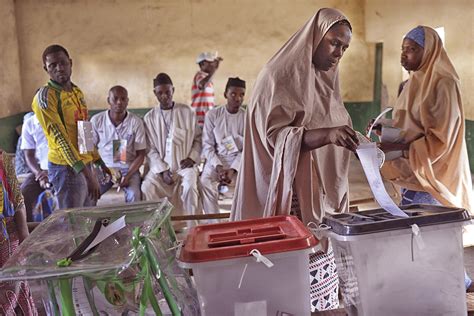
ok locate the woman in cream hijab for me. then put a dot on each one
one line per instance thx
(297, 136)
(434, 168)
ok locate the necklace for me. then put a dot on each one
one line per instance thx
(167, 124)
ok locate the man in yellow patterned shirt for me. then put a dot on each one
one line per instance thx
(59, 106)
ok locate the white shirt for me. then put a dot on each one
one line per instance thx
(131, 129)
(33, 137)
(218, 125)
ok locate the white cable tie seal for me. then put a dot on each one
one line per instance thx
(318, 230)
(261, 258)
(158, 274)
(312, 225)
(415, 229)
(176, 246)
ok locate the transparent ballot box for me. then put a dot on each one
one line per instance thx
(115, 260)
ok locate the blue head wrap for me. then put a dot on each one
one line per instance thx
(417, 35)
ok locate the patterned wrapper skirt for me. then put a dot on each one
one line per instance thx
(15, 297)
(324, 289)
(324, 281)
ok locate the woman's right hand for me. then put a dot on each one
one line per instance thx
(377, 129)
(343, 136)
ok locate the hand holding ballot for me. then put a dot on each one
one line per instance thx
(364, 140)
(391, 140)
(375, 124)
(343, 136)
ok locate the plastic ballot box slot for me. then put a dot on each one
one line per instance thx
(246, 236)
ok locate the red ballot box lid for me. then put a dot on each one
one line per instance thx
(237, 239)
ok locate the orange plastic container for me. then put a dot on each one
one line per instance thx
(231, 281)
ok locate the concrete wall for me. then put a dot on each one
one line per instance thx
(388, 21)
(10, 83)
(129, 42)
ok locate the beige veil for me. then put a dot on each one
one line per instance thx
(430, 113)
(289, 96)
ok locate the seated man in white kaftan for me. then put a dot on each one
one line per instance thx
(222, 145)
(174, 143)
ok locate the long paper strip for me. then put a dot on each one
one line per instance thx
(368, 158)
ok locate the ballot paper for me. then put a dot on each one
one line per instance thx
(380, 154)
(79, 297)
(368, 158)
(107, 231)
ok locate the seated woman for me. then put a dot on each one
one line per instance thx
(15, 298)
(298, 139)
(434, 168)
